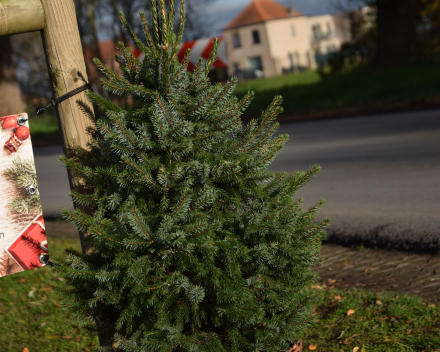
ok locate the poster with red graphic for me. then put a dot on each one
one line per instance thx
(23, 243)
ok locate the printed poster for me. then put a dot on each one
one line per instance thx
(23, 243)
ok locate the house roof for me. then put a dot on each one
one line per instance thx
(261, 11)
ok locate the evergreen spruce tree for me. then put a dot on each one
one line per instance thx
(194, 245)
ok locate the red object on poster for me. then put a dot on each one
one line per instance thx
(26, 249)
(22, 133)
(13, 143)
(10, 122)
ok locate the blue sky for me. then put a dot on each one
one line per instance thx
(221, 12)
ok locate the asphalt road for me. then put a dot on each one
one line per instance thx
(380, 176)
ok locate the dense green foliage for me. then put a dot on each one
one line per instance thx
(194, 245)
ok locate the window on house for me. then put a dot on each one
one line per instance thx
(236, 40)
(236, 68)
(292, 30)
(316, 28)
(255, 63)
(256, 36)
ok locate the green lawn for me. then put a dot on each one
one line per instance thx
(346, 319)
(363, 89)
(43, 125)
(30, 312)
(31, 317)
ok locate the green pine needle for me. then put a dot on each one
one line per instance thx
(193, 243)
(23, 173)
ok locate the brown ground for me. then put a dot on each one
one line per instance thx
(381, 270)
(376, 270)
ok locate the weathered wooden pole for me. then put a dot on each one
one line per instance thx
(21, 16)
(56, 19)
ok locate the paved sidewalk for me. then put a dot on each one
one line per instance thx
(371, 269)
(381, 270)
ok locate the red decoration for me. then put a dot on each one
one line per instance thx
(23, 133)
(10, 122)
(27, 248)
(13, 143)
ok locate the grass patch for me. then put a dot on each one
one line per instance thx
(44, 124)
(380, 322)
(31, 317)
(30, 312)
(361, 89)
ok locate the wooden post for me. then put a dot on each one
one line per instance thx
(65, 58)
(62, 45)
(56, 19)
(20, 16)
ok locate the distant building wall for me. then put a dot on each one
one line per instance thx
(290, 43)
(239, 57)
(286, 44)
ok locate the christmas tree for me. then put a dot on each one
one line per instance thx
(193, 244)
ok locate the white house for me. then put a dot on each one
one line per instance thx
(272, 38)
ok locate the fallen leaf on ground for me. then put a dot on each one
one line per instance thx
(378, 302)
(338, 297)
(312, 347)
(387, 341)
(431, 305)
(369, 269)
(25, 349)
(356, 349)
(331, 281)
(350, 312)
(31, 292)
(23, 279)
(68, 337)
(347, 340)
